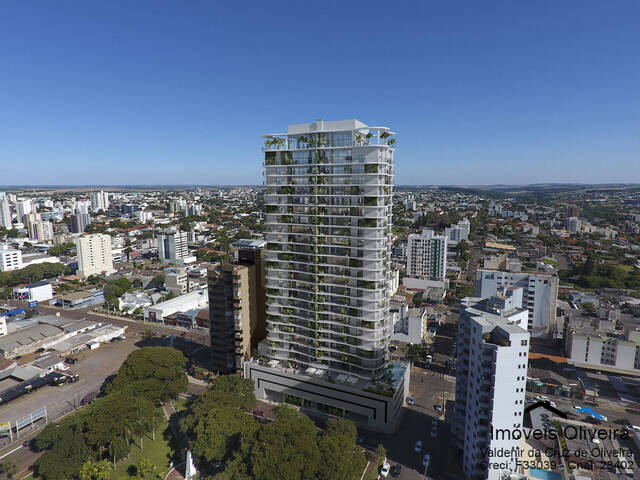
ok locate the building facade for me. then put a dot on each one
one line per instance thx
(237, 307)
(458, 232)
(172, 246)
(100, 201)
(94, 255)
(540, 296)
(5, 213)
(79, 221)
(10, 259)
(491, 374)
(427, 256)
(328, 225)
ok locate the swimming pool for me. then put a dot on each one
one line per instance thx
(544, 474)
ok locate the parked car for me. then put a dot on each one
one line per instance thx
(438, 407)
(434, 432)
(542, 398)
(577, 407)
(552, 404)
(418, 447)
(434, 421)
(384, 470)
(71, 360)
(395, 470)
(411, 400)
(426, 460)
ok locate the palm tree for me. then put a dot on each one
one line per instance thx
(323, 141)
(359, 139)
(392, 142)
(385, 135)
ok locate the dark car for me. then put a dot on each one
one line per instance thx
(71, 360)
(395, 471)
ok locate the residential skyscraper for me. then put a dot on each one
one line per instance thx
(23, 207)
(328, 225)
(172, 245)
(5, 213)
(491, 376)
(99, 201)
(94, 254)
(427, 255)
(237, 304)
(540, 296)
(79, 221)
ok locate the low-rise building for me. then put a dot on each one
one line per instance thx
(10, 259)
(34, 292)
(188, 301)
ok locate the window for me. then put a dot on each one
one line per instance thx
(523, 342)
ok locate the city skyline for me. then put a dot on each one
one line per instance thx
(479, 95)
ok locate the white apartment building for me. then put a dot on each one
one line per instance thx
(94, 255)
(491, 375)
(177, 281)
(172, 246)
(540, 296)
(427, 256)
(99, 201)
(39, 230)
(10, 259)
(5, 213)
(458, 232)
(592, 347)
(23, 207)
(144, 216)
(328, 226)
(573, 224)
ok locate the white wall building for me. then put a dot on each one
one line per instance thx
(540, 293)
(5, 213)
(144, 216)
(10, 259)
(460, 231)
(172, 246)
(40, 231)
(328, 224)
(94, 255)
(491, 375)
(23, 207)
(99, 201)
(427, 256)
(188, 301)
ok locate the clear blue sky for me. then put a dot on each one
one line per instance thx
(149, 92)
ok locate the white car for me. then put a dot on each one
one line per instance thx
(636, 428)
(552, 404)
(577, 407)
(418, 447)
(604, 419)
(384, 470)
(425, 461)
(411, 400)
(542, 398)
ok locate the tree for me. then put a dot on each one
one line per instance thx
(145, 470)
(156, 373)
(286, 449)
(95, 470)
(66, 447)
(341, 458)
(381, 453)
(8, 468)
(158, 281)
(237, 385)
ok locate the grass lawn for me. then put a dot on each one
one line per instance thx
(550, 261)
(158, 453)
(181, 404)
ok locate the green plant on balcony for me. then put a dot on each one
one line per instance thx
(359, 139)
(271, 209)
(371, 168)
(370, 201)
(368, 136)
(323, 141)
(270, 158)
(385, 135)
(303, 139)
(392, 142)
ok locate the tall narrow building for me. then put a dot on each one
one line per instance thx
(172, 245)
(237, 307)
(427, 256)
(328, 226)
(94, 255)
(491, 376)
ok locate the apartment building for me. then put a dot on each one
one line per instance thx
(328, 226)
(5, 213)
(604, 347)
(458, 232)
(172, 246)
(426, 256)
(177, 281)
(23, 207)
(94, 255)
(540, 296)
(39, 230)
(491, 375)
(237, 307)
(10, 259)
(79, 221)
(100, 201)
